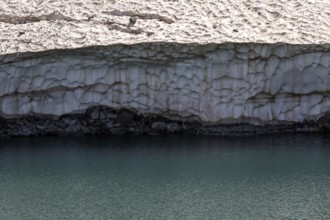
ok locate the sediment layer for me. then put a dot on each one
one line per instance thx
(211, 84)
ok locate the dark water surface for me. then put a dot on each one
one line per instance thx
(165, 177)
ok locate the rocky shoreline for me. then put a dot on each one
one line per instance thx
(102, 120)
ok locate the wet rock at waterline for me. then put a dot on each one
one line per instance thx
(101, 120)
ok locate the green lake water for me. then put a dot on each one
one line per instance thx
(165, 177)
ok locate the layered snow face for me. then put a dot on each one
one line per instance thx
(228, 83)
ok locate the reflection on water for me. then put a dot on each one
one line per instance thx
(165, 177)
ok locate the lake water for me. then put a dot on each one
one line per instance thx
(165, 177)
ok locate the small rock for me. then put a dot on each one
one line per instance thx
(125, 118)
(71, 129)
(109, 125)
(40, 127)
(103, 115)
(20, 33)
(118, 131)
(94, 114)
(132, 21)
(116, 125)
(136, 131)
(173, 128)
(160, 126)
(324, 122)
(69, 121)
(112, 116)
(89, 18)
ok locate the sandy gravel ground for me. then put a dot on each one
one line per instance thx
(36, 25)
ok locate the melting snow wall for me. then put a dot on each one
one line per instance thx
(227, 83)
